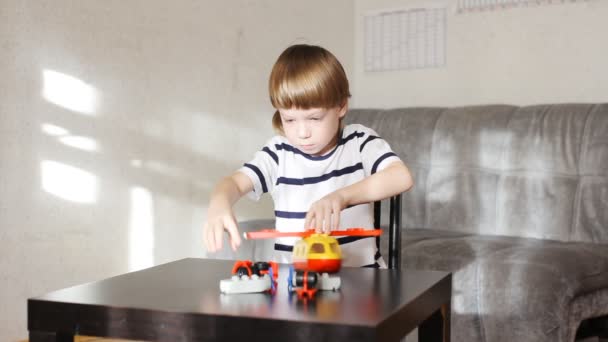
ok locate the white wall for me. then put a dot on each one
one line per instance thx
(539, 54)
(116, 117)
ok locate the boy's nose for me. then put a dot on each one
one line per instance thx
(303, 131)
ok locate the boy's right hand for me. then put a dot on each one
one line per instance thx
(213, 231)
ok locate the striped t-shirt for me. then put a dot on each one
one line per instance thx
(295, 180)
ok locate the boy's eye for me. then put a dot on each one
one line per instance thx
(315, 119)
(288, 120)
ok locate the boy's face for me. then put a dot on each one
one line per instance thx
(313, 131)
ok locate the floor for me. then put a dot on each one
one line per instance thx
(97, 339)
(94, 339)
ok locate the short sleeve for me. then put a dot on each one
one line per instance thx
(376, 153)
(262, 170)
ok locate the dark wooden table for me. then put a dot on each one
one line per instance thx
(181, 301)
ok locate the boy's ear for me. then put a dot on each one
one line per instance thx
(343, 110)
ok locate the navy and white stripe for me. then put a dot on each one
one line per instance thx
(322, 178)
(380, 160)
(260, 176)
(295, 180)
(368, 139)
(271, 154)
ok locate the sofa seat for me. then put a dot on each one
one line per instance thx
(540, 285)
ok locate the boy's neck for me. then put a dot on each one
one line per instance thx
(330, 147)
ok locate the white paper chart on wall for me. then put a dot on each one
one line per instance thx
(465, 6)
(405, 39)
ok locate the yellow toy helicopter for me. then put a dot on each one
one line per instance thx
(314, 257)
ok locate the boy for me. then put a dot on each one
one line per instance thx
(320, 174)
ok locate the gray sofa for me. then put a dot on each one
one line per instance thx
(513, 201)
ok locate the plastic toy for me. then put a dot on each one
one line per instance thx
(306, 283)
(318, 253)
(249, 277)
(316, 258)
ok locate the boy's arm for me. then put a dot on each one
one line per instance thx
(392, 180)
(219, 214)
(324, 215)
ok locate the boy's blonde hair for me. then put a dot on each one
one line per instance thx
(306, 76)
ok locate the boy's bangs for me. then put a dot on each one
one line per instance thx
(303, 92)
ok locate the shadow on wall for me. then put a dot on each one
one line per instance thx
(127, 172)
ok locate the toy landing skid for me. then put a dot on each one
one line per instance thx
(272, 233)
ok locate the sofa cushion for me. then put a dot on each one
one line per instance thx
(532, 281)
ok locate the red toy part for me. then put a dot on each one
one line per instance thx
(258, 268)
(305, 292)
(318, 265)
(242, 264)
(273, 233)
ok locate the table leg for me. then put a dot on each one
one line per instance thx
(43, 336)
(436, 328)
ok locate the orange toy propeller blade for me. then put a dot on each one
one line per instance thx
(273, 233)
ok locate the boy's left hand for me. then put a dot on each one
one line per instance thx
(324, 214)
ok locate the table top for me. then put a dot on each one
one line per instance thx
(190, 288)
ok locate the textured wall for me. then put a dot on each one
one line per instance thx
(117, 117)
(538, 54)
